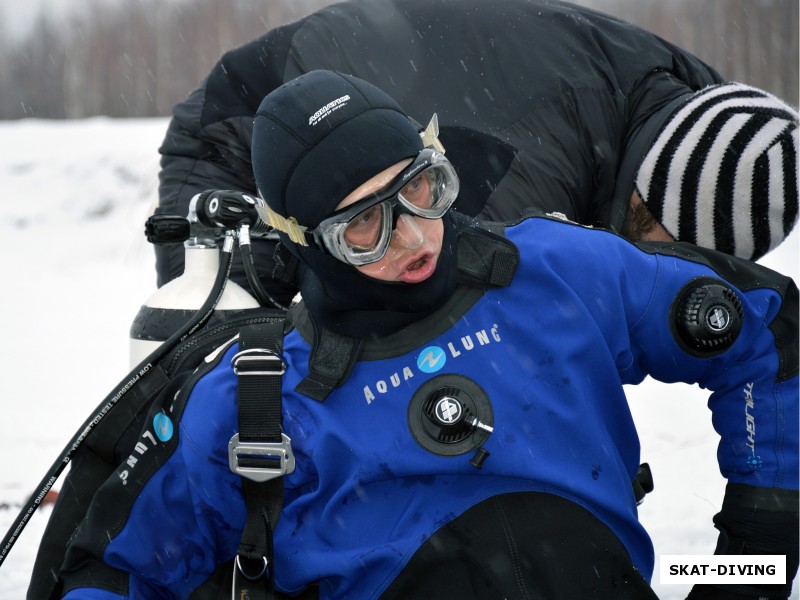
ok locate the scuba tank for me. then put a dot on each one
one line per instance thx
(211, 213)
(163, 313)
(204, 287)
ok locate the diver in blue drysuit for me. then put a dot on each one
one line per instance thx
(481, 445)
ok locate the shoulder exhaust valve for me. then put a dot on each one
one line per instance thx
(706, 317)
(451, 415)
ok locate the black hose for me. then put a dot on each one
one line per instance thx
(263, 297)
(111, 400)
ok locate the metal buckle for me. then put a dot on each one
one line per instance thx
(280, 452)
(259, 575)
(255, 356)
(241, 590)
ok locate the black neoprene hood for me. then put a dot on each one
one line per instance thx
(318, 137)
(315, 140)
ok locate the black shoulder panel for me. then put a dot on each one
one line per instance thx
(746, 275)
(243, 76)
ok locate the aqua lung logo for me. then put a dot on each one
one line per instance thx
(432, 359)
(162, 425)
(163, 430)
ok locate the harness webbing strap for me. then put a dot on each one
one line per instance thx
(253, 571)
(332, 358)
(260, 454)
(259, 384)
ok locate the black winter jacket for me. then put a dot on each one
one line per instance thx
(541, 105)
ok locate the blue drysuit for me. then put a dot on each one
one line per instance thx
(586, 313)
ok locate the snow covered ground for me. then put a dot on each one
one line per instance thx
(77, 268)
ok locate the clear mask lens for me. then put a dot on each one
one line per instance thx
(362, 236)
(364, 230)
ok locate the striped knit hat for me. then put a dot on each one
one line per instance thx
(722, 173)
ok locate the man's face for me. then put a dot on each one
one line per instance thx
(416, 242)
(641, 226)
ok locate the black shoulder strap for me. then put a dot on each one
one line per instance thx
(332, 358)
(260, 453)
(486, 258)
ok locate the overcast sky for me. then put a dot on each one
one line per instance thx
(18, 15)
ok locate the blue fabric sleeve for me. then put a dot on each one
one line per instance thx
(177, 513)
(179, 531)
(754, 413)
(631, 293)
(753, 410)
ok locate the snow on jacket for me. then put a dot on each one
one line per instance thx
(586, 313)
(541, 104)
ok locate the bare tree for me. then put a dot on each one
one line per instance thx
(751, 41)
(138, 58)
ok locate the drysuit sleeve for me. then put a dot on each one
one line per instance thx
(169, 520)
(731, 326)
(681, 313)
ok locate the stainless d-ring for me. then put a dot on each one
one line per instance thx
(259, 575)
